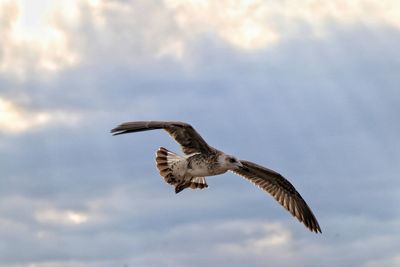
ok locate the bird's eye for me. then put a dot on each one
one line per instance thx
(232, 160)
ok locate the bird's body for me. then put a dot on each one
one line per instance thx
(202, 160)
(190, 171)
(204, 165)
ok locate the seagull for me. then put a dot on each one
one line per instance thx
(201, 160)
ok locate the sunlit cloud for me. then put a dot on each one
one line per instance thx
(42, 37)
(14, 119)
(261, 237)
(62, 217)
(242, 24)
(258, 24)
(31, 39)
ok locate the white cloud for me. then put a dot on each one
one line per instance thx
(258, 24)
(243, 24)
(31, 40)
(54, 216)
(47, 38)
(268, 236)
(15, 119)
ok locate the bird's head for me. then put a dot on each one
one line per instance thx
(230, 162)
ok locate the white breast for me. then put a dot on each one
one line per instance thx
(198, 170)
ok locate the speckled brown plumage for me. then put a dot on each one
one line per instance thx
(204, 160)
(282, 190)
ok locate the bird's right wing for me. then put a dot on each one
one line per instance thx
(282, 190)
(183, 133)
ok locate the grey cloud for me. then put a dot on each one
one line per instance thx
(218, 239)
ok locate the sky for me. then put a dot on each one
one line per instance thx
(309, 88)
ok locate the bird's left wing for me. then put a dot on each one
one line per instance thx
(282, 190)
(189, 139)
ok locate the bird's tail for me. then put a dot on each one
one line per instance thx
(198, 182)
(164, 160)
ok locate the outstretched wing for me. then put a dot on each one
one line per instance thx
(282, 190)
(183, 133)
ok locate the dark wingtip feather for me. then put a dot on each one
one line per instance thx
(115, 130)
(118, 133)
(317, 229)
(280, 188)
(119, 130)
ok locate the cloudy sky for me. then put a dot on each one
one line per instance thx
(308, 88)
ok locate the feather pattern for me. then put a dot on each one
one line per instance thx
(282, 190)
(203, 160)
(183, 133)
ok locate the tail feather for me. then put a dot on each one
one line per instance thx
(198, 182)
(164, 160)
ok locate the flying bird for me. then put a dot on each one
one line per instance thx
(201, 160)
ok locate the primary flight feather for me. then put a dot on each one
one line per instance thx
(202, 160)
